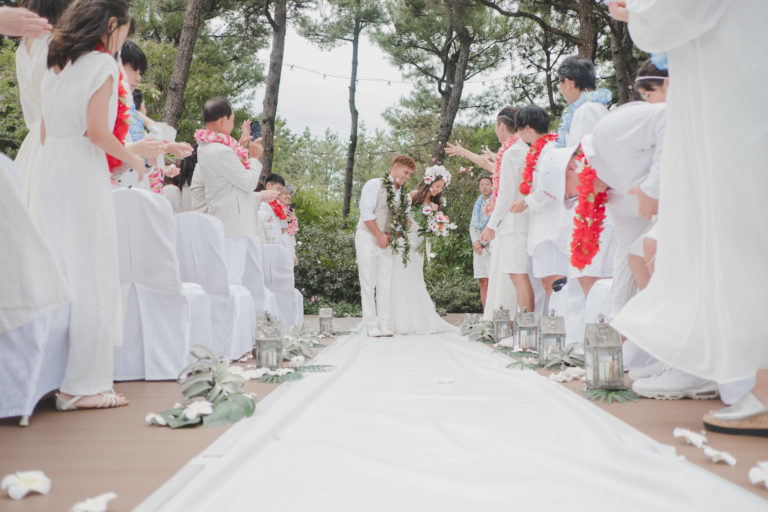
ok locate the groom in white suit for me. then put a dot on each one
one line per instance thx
(372, 245)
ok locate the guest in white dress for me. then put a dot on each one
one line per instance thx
(79, 108)
(272, 213)
(291, 222)
(412, 308)
(704, 309)
(508, 232)
(31, 59)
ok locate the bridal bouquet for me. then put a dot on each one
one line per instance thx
(432, 224)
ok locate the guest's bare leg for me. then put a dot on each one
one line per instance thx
(639, 271)
(547, 282)
(483, 290)
(587, 282)
(761, 386)
(524, 291)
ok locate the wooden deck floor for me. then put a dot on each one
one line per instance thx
(87, 453)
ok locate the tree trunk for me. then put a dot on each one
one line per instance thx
(624, 62)
(269, 114)
(174, 100)
(349, 174)
(448, 115)
(587, 44)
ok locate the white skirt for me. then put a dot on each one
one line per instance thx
(513, 253)
(548, 260)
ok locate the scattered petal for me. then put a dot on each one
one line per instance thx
(569, 374)
(155, 419)
(443, 380)
(297, 360)
(21, 483)
(719, 456)
(97, 504)
(759, 474)
(697, 440)
(237, 370)
(254, 374)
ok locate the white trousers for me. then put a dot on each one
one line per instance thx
(374, 267)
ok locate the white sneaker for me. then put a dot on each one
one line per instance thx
(650, 370)
(387, 332)
(672, 384)
(373, 332)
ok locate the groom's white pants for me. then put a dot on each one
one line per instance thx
(374, 266)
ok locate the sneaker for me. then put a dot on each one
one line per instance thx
(387, 332)
(672, 384)
(650, 370)
(374, 332)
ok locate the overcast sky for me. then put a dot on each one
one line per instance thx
(309, 100)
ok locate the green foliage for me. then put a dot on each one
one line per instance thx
(452, 289)
(297, 373)
(608, 395)
(298, 342)
(12, 126)
(477, 329)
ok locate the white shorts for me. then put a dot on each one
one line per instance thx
(548, 260)
(513, 253)
(481, 264)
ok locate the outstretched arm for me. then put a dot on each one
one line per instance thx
(457, 149)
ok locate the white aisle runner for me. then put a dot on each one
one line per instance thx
(436, 423)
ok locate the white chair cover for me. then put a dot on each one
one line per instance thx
(163, 317)
(201, 249)
(253, 279)
(34, 315)
(278, 277)
(234, 250)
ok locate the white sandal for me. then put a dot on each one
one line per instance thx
(109, 399)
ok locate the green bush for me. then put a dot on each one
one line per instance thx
(452, 289)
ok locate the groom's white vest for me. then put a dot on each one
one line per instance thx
(381, 211)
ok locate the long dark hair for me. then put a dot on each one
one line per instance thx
(423, 190)
(187, 166)
(81, 27)
(49, 9)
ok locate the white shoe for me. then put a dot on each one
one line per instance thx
(672, 384)
(387, 332)
(650, 370)
(374, 332)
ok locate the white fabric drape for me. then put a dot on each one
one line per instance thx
(277, 265)
(436, 423)
(704, 309)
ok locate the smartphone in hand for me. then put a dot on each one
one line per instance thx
(255, 130)
(292, 206)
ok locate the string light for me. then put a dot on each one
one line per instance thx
(388, 81)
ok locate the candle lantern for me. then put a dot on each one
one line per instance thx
(602, 356)
(268, 347)
(501, 324)
(526, 331)
(551, 336)
(326, 320)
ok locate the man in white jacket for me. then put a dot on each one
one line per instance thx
(230, 173)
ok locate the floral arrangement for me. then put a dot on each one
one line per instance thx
(213, 395)
(432, 224)
(590, 214)
(209, 137)
(278, 208)
(398, 218)
(432, 173)
(531, 159)
(496, 178)
(293, 227)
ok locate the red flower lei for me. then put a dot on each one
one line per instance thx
(496, 179)
(277, 207)
(531, 159)
(588, 221)
(123, 121)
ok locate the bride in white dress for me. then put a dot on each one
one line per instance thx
(412, 309)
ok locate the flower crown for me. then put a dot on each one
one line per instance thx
(437, 171)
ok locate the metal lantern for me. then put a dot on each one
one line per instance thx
(551, 336)
(326, 320)
(602, 356)
(268, 348)
(526, 331)
(501, 324)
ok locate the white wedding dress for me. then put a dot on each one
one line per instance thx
(412, 309)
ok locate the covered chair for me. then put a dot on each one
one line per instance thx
(163, 316)
(200, 246)
(253, 279)
(278, 277)
(34, 307)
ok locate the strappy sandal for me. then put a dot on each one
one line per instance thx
(109, 399)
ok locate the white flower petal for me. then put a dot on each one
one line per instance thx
(237, 370)
(693, 438)
(443, 380)
(97, 504)
(198, 408)
(719, 456)
(759, 474)
(19, 484)
(155, 419)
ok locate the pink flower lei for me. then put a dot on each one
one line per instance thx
(203, 135)
(497, 170)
